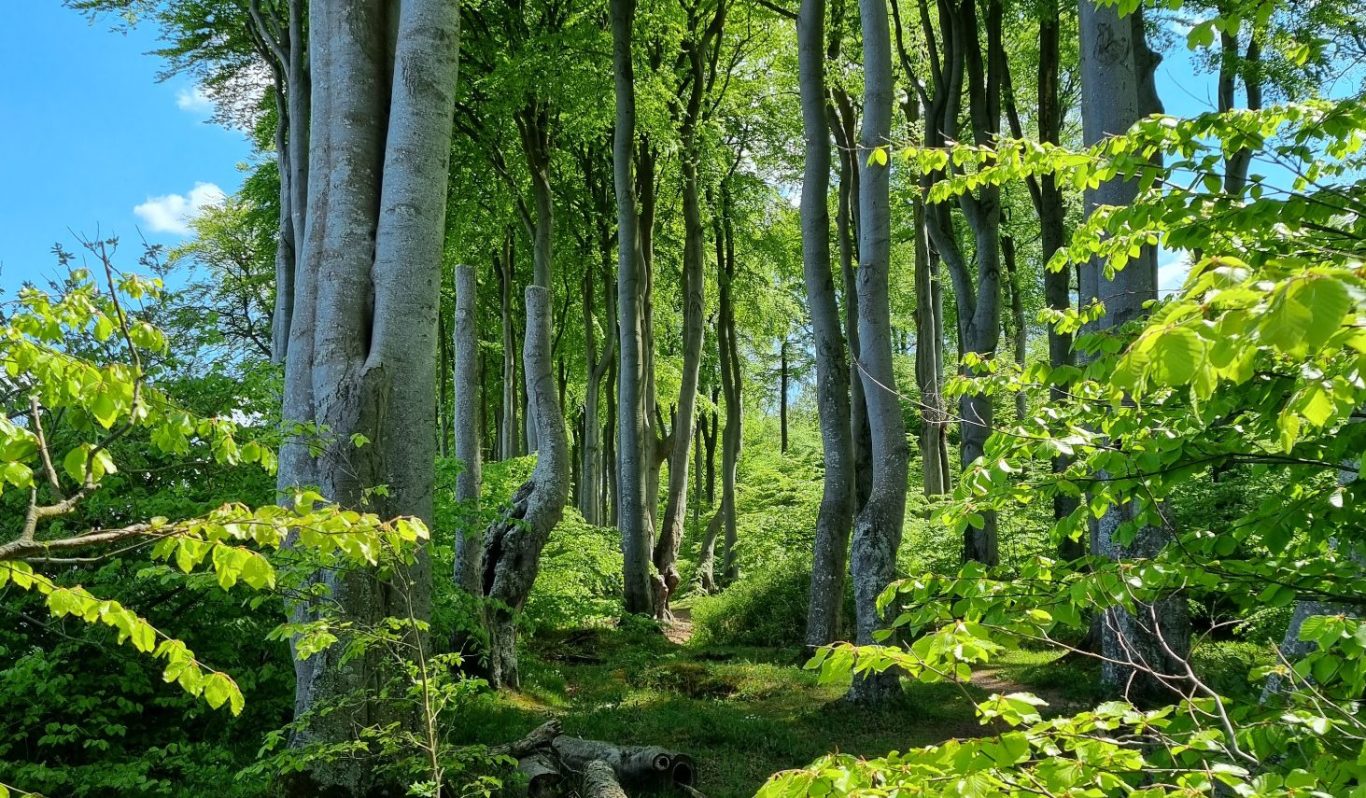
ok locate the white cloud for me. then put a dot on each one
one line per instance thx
(1171, 273)
(194, 100)
(172, 213)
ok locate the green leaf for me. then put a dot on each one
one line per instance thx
(104, 409)
(1177, 353)
(75, 462)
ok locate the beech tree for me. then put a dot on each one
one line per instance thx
(1117, 90)
(877, 529)
(363, 329)
(634, 515)
(832, 372)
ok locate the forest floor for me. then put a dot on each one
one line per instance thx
(743, 713)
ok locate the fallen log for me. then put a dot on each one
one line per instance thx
(536, 740)
(600, 781)
(543, 776)
(637, 766)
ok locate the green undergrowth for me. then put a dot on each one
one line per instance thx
(746, 712)
(743, 712)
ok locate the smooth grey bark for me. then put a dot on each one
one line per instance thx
(467, 446)
(929, 363)
(732, 383)
(929, 310)
(833, 520)
(590, 496)
(509, 433)
(362, 345)
(655, 436)
(284, 46)
(513, 543)
(633, 513)
(843, 123)
(698, 48)
(877, 529)
(533, 127)
(1117, 90)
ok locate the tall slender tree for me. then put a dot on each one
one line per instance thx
(832, 371)
(877, 531)
(701, 44)
(467, 444)
(1117, 90)
(634, 511)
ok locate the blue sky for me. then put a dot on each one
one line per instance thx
(95, 144)
(89, 135)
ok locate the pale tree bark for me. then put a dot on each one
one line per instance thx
(656, 437)
(929, 364)
(509, 432)
(836, 513)
(633, 514)
(467, 445)
(1117, 90)
(877, 530)
(701, 41)
(285, 48)
(534, 130)
(936, 478)
(592, 504)
(513, 543)
(843, 118)
(732, 384)
(362, 346)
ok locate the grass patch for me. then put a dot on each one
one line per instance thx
(744, 712)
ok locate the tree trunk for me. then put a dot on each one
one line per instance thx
(286, 50)
(509, 444)
(513, 543)
(1018, 329)
(836, 512)
(877, 531)
(633, 515)
(1232, 66)
(467, 482)
(590, 495)
(362, 342)
(609, 446)
(698, 46)
(731, 385)
(1053, 237)
(929, 324)
(929, 364)
(844, 125)
(1117, 90)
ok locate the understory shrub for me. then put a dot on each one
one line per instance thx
(766, 607)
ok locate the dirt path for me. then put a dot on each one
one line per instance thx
(679, 630)
(998, 681)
